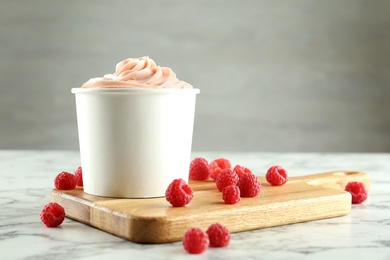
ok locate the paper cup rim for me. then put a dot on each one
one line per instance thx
(134, 90)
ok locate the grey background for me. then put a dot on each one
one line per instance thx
(279, 76)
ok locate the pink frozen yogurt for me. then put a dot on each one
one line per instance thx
(138, 73)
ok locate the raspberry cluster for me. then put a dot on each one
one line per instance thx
(196, 241)
(233, 183)
(53, 214)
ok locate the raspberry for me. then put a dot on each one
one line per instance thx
(249, 185)
(217, 165)
(231, 194)
(195, 241)
(358, 191)
(65, 181)
(219, 235)
(276, 175)
(240, 170)
(179, 193)
(225, 178)
(199, 169)
(52, 214)
(79, 176)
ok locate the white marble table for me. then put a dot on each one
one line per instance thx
(26, 180)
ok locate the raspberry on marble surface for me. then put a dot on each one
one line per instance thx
(219, 235)
(52, 214)
(358, 191)
(195, 241)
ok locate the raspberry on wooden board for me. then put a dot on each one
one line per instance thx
(199, 169)
(65, 181)
(225, 178)
(276, 175)
(179, 193)
(79, 176)
(231, 194)
(249, 185)
(217, 165)
(240, 170)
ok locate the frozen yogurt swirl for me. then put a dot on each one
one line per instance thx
(138, 73)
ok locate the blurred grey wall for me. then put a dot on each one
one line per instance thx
(301, 75)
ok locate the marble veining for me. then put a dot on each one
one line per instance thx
(27, 178)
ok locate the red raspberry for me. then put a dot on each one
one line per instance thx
(79, 176)
(52, 214)
(276, 175)
(358, 191)
(65, 181)
(195, 241)
(225, 178)
(240, 170)
(231, 194)
(199, 169)
(249, 185)
(219, 235)
(179, 193)
(217, 165)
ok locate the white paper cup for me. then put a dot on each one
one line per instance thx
(134, 142)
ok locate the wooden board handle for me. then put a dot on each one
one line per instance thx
(334, 180)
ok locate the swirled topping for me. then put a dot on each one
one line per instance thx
(138, 73)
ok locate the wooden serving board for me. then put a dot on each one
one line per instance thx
(154, 220)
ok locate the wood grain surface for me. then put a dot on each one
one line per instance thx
(154, 220)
